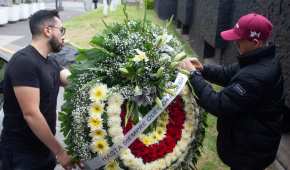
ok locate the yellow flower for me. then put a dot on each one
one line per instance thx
(100, 146)
(140, 56)
(147, 140)
(112, 165)
(97, 134)
(95, 122)
(96, 108)
(162, 124)
(99, 92)
(160, 130)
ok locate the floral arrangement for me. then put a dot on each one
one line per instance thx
(113, 86)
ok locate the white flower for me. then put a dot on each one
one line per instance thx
(97, 134)
(115, 120)
(115, 131)
(95, 122)
(137, 91)
(125, 152)
(188, 126)
(141, 56)
(186, 135)
(100, 146)
(113, 109)
(116, 99)
(181, 146)
(96, 108)
(118, 139)
(188, 108)
(98, 92)
(161, 163)
(177, 151)
(168, 159)
(112, 165)
(138, 163)
(129, 159)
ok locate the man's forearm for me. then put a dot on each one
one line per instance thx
(40, 128)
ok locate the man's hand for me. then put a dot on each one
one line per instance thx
(187, 65)
(64, 160)
(197, 64)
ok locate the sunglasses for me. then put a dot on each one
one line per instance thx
(61, 29)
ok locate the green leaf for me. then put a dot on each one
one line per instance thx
(98, 40)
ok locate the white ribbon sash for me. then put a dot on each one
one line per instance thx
(130, 137)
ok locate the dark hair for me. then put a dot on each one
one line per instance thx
(38, 19)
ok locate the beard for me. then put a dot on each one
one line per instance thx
(55, 45)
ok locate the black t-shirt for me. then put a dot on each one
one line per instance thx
(28, 68)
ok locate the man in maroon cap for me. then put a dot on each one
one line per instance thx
(249, 108)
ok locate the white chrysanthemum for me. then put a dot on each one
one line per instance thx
(183, 144)
(115, 120)
(116, 99)
(113, 109)
(154, 165)
(100, 146)
(115, 131)
(187, 101)
(181, 147)
(186, 135)
(161, 163)
(118, 139)
(138, 162)
(189, 109)
(112, 165)
(127, 158)
(95, 122)
(98, 92)
(188, 127)
(97, 134)
(96, 108)
(129, 163)
(125, 151)
(168, 159)
(177, 151)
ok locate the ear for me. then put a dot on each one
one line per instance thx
(258, 43)
(47, 31)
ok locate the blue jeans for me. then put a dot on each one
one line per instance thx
(12, 160)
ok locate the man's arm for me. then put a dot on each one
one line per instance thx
(213, 73)
(220, 75)
(28, 99)
(236, 98)
(64, 74)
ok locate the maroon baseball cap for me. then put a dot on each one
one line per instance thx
(249, 27)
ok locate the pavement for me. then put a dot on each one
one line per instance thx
(14, 36)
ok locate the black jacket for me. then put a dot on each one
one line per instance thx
(249, 107)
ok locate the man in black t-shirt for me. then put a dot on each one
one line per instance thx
(31, 84)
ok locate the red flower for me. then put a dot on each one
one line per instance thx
(173, 134)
